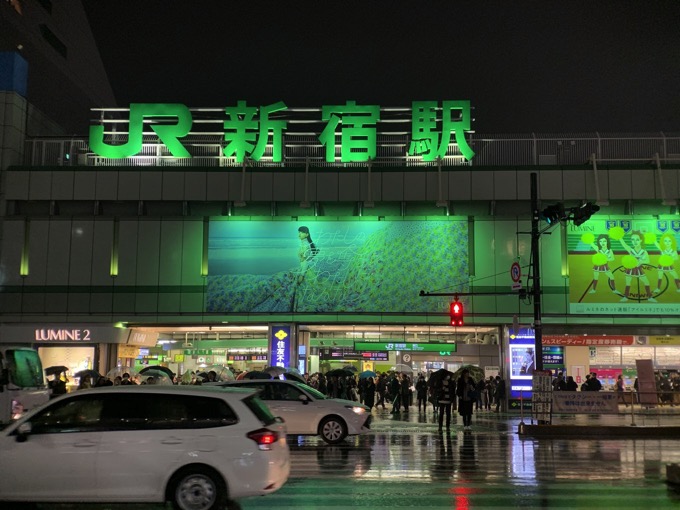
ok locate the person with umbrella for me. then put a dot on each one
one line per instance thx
(465, 390)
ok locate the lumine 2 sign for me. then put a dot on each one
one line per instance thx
(247, 133)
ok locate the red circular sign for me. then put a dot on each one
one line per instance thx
(515, 272)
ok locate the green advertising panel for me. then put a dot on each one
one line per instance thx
(624, 266)
(335, 266)
(405, 346)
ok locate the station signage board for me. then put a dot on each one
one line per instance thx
(250, 131)
(438, 347)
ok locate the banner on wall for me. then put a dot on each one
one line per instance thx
(624, 266)
(334, 266)
(586, 402)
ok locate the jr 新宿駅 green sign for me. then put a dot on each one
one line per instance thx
(247, 131)
(405, 346)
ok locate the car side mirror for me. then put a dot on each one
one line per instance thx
(24, 431)
(304, 399)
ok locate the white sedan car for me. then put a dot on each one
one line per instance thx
(307, 411)
(200, 448)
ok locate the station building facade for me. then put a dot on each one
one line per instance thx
(330, 235)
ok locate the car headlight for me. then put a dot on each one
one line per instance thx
(356, 409)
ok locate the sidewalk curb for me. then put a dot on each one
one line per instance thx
(598, 431)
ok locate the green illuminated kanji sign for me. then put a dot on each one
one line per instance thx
(357, 131)
(431, 144)
(405, 346)
(249, 131)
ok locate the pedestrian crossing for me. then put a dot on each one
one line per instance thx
(407, 464)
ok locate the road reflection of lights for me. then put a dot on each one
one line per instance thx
(462, 501)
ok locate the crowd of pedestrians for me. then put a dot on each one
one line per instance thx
(400, 391)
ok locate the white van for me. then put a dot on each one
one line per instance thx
(22, 382)
(199, 448)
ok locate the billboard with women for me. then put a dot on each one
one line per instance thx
(624, 265)
(353, 265)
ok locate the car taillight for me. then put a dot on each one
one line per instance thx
(264, 438)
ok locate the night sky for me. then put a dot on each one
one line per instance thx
(542, 66)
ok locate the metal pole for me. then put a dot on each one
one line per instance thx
(536, 269)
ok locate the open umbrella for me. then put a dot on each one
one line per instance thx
(119, 371)
(402, 368)
(92, 374)
(56, 370)
(153, 375)
(437, 376)
(476, 373)
(339, 372)
(222, 372)
(167, 371)
(292, 376)
(257, 374)
(366, 374)
(276, 371)
(351, 368)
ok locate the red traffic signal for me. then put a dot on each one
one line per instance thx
(456, 313)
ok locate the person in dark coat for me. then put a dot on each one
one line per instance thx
(465, 390)
(571, 384)
(369, 392)
(421, 392)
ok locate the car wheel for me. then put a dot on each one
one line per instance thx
(332, 430)
(197, 488)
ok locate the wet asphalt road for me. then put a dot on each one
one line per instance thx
(404, 463)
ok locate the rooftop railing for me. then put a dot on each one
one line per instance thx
(300, 150)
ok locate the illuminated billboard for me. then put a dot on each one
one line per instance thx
(624, 266)
(348, 265)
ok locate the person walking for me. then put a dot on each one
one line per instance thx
(490, 389)
(405, 389)
(479, 390)
(421, 392)
(465, 390)
(500, 393)
(395, 393)
(620, 388)
(369, 392)
(446, 391)
(382, 389)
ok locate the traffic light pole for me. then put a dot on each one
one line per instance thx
(536, 271)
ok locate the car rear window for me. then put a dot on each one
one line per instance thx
(259, 409)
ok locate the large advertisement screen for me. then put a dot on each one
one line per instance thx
(624, 266)
(348, 265)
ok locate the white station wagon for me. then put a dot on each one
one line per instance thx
(197, 447)
(307, 411)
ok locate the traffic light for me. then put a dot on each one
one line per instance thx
(554, 214)
(456, 313)
(583, 213)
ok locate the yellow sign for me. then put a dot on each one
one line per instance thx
(664, 340)
(179, 358)
(127, 351)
